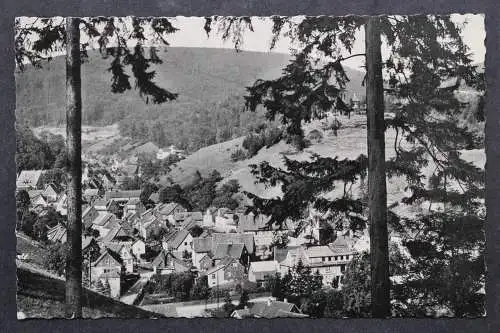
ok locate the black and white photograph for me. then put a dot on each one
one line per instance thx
(250, 167)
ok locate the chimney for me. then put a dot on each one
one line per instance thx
(269, 302)
(246, 307)
(285, 300)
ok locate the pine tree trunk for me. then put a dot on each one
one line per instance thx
(377, 191)
(74, 170)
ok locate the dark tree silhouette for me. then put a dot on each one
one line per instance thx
(426, 54)
(36, 41)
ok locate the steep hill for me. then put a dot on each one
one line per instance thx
(199, 75)
(350, 143)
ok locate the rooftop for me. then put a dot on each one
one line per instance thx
(264, 266)
(175, 238)
(228, 250)
(28, 178)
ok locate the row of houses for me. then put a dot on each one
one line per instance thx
(226, 246)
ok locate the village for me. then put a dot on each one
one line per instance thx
(127, 247)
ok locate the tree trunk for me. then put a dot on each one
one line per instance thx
(377, 191)
(74, 170)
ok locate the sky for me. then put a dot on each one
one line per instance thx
(192, 34)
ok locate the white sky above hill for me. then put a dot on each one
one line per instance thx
(192, 34)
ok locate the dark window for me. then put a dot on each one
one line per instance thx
(342, 268)
(336, 257)
(323, 258)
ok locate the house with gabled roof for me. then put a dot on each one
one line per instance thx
(29, 179)
(106, 181)
(235, 251)
(208, 243)
(206, 262)
(51, 192)
(228, 270)
(178, 242)
(37, 199)
(101, 205)
(116, 234)
(167, 263)
(260, 271)
(133, 205)
(89, 214)
(150, 226)
(269, 310)
(104, 222)
(108, 268)
(165, 210)
(138, 248)
(90, 194)
(124, 250)
(288, 257)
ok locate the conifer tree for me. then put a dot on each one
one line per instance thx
(426, 54)
(36, 42)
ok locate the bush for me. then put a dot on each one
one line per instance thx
(238, 155)
(315, 135)
(255, 142)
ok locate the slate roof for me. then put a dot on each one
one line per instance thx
(189, 223)
(166, 208)
(210, 242)
(103, 218)
(34, 193)
(175, 238)
(108, 252)
(202, 244)
(114, 233)
(101, 202)
(273, 309)
(247, 239)
(223, 264)
(57, 233)
(122, 194)
(319, 251)
(341, 245)
(228, 250)
(188, 215)
(264, 266)
(28, 178)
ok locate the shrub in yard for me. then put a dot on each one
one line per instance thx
(238, 155)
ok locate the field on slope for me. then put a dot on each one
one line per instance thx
(350, 143)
